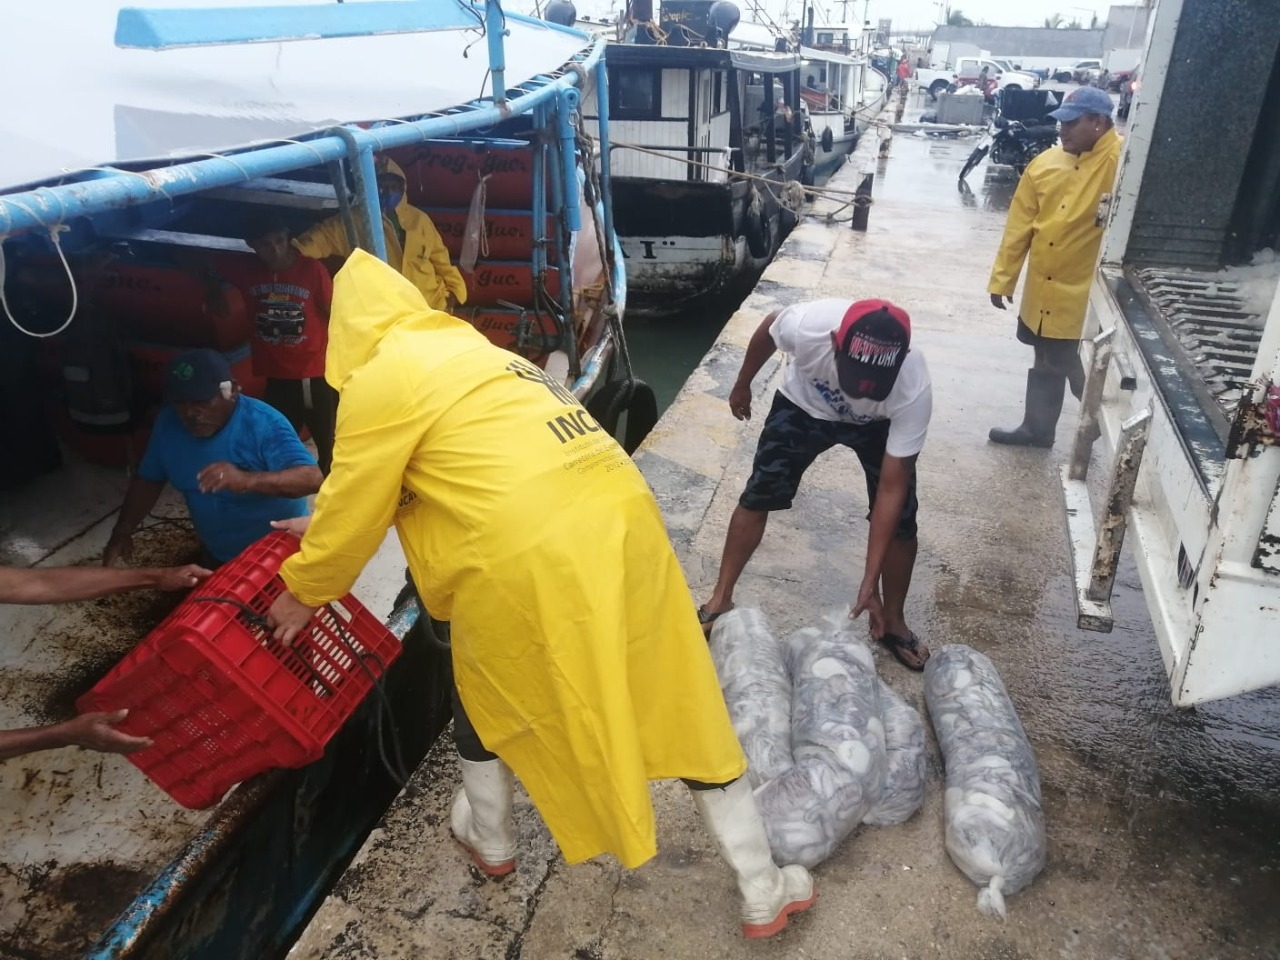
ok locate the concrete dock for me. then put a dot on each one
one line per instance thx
(1163, 826)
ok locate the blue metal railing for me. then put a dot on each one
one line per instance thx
(48, 207)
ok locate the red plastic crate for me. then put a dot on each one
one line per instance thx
(224, 701)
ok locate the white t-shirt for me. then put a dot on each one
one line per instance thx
(804, 332)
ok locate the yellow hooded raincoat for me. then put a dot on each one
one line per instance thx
(423, 257)
(576, 647)
(1054, 217)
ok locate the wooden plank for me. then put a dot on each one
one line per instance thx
(279, 192)
(175, 238)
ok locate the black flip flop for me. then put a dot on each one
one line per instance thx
(900, 647)
(707, 619)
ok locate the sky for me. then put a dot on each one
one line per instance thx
(906, 14)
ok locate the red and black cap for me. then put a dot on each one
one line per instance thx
(871, 346)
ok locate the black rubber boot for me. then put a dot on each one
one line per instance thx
(1040, 421)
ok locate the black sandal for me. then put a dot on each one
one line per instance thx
(902, 648)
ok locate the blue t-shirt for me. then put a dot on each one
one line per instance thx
(258, 439)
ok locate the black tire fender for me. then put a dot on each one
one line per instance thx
(633, 397)
(758, 227)
(828, 140)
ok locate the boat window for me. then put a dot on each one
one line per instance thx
(717, 93)
(826, 39)
(635, 93)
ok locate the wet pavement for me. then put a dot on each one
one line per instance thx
(1163, 826)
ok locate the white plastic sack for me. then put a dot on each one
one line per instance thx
(994, 822)
(748, 660)
(837, 741)
(809, 714)
(904, 768)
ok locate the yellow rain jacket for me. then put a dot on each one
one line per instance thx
(576, 646)
(423, 257)
(1054, 216)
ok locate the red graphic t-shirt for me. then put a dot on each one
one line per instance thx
(290, 312)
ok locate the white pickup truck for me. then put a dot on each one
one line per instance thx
(966, 70)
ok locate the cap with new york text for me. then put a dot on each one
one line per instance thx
(872, 343)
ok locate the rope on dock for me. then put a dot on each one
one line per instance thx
(852, 197)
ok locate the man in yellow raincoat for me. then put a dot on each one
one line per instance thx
(1054, 217)
(577, 655)
(414, 245)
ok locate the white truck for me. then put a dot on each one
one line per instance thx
(966, 71)
(1183, 352)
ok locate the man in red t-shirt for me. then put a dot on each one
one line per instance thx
(288, 297)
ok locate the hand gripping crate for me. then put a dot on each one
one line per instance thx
(224, 701)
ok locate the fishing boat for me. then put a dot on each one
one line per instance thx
(160, 129)
(842, 93)
(705, 143)
(842, 96)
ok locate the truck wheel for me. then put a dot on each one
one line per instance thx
(1062, 77)
(936, 88)
(1014, 86)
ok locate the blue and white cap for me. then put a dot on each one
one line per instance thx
(1082, 101)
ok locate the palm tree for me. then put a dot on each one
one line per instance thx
(1054, 22)
(1074, 25)
(957, 19)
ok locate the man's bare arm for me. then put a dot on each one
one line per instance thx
(65, 584)
(300, 481)
(759, 349)
(93, 731)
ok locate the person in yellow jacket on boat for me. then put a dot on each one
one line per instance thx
(578, 659)
(1055, 225)
(414, 245)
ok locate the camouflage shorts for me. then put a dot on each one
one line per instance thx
(792, 439)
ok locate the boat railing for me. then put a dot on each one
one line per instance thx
(698, 170)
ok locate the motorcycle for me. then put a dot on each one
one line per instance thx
(1013, 144)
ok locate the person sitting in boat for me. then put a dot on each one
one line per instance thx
(414, 245)
(288, 296)
(93, 731)
(577, 655)
(852, 380)
(235, 460)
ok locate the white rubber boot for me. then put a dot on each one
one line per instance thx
(481, 819)
(769, 893)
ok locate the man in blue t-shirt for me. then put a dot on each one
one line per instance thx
(235, 460)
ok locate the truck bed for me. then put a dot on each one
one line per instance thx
(1216, 321)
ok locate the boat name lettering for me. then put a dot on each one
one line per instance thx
(456, 163)
(648, 250)
(458, 228)
(496, 278)
(127, 282)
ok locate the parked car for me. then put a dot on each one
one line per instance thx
(934, 81)
(1086, 69)
(968, 70)
(1118, 80)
